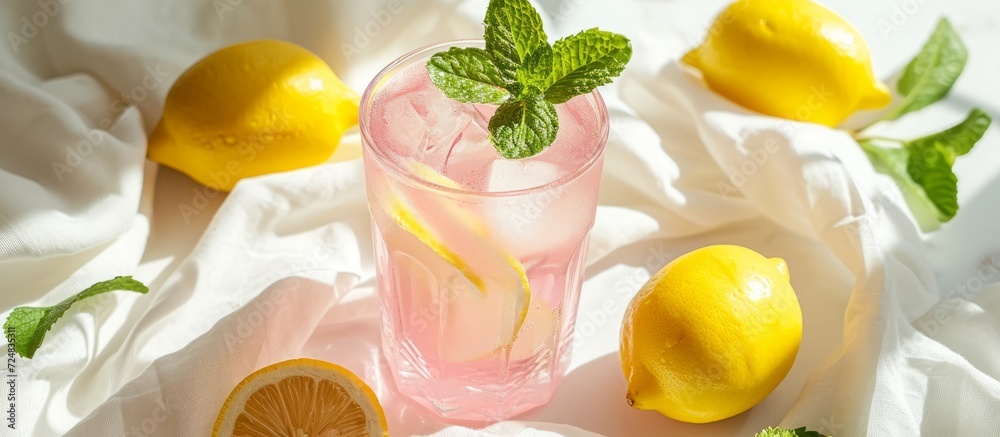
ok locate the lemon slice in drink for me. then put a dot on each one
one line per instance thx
(301, 397)
(428, 174)
(474, 325)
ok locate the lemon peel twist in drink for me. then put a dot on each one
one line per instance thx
(468, 245)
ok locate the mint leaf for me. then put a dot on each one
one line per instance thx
(524, 127)
(892, 162)
(802, 432)
(931, 157)
(931, 74)
(930, 168)
(960, 138)
(781, 432)
(513, 31)
(775, 432)
(31, 323)
(925, 179)
(923, 167)
(535, 69)
(585, 61)
(467, 75)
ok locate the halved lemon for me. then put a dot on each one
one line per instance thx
(301, 398)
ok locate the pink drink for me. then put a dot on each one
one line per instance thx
(479, 259)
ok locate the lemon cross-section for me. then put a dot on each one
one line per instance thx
(301, 398)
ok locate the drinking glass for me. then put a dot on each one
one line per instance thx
(479, 259)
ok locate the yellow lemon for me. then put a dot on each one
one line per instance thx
(789, 58)
(710, 335)
(250, 109)
(301, 398)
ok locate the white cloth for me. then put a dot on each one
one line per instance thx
(282, 266)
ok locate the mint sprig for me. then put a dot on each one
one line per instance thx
(31, 323)
(526, 76)
(922, 167)
(781, 432)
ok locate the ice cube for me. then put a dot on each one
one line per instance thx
(403, 125)
(541, 223)
(471, 152)
(450, 121)
(511, 175)
(419, 122)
